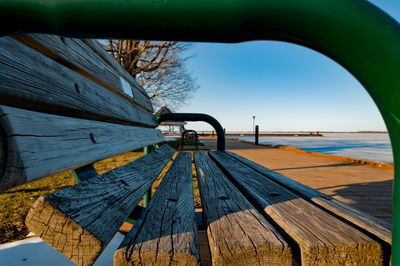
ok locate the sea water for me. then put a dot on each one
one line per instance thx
(370, 146)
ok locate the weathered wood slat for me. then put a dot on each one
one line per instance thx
(375, 226)
(40, 144)
(167, 232)
(97, 48)
(74, 54)
(32, 81)
(237, 233)
(322, 238)
(79, 221)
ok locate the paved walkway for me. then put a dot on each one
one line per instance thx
(367, 188)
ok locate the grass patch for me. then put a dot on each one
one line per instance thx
(196, 190)
(15, 204)
(116, 161)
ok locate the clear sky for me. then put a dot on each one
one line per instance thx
(287, 87)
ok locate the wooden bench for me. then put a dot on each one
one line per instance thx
(190, 138)
(65, 103)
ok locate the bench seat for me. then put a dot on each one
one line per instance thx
(322, 238)
(79, 221)
(249, 218)
(166, 234)
(237, 232)
(379, 228)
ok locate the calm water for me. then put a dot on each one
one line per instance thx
(370, 146)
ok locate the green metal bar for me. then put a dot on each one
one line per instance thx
(84, 173)
(130, 220)
(134, 216)
(147, 196)
(354, 33)
(75, 176)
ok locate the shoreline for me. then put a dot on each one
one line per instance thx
(342, 158)
(276, 134)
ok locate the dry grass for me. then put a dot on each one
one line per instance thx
(15, 203)
(116, 161)
(196, 190)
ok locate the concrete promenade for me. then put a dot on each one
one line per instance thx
(368, 188)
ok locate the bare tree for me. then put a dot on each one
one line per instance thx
(159, 66)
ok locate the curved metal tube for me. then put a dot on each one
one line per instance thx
(196, 138)
(198, 117)
(356, 34)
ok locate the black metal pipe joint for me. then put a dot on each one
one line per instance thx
(194, 117)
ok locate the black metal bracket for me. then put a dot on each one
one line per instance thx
(194, 117)
(186, 134)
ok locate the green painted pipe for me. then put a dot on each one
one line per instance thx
(147, 195)
(354, 33)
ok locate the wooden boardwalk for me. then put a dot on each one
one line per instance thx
(367, 188)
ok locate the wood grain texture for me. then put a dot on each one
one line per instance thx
(98, 49)
(237, 233)
(30, 80)
(41, 144)
(79, 221)
(375, 226)
(166, 234)
(322, 238)
(74, 54)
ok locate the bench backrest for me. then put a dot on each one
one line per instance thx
(65, 103)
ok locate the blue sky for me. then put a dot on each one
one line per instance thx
(287, 87)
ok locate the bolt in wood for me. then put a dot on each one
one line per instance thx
(92, 137)
(77, 88)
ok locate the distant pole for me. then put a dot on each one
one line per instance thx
(256, 135)
(254, 122)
